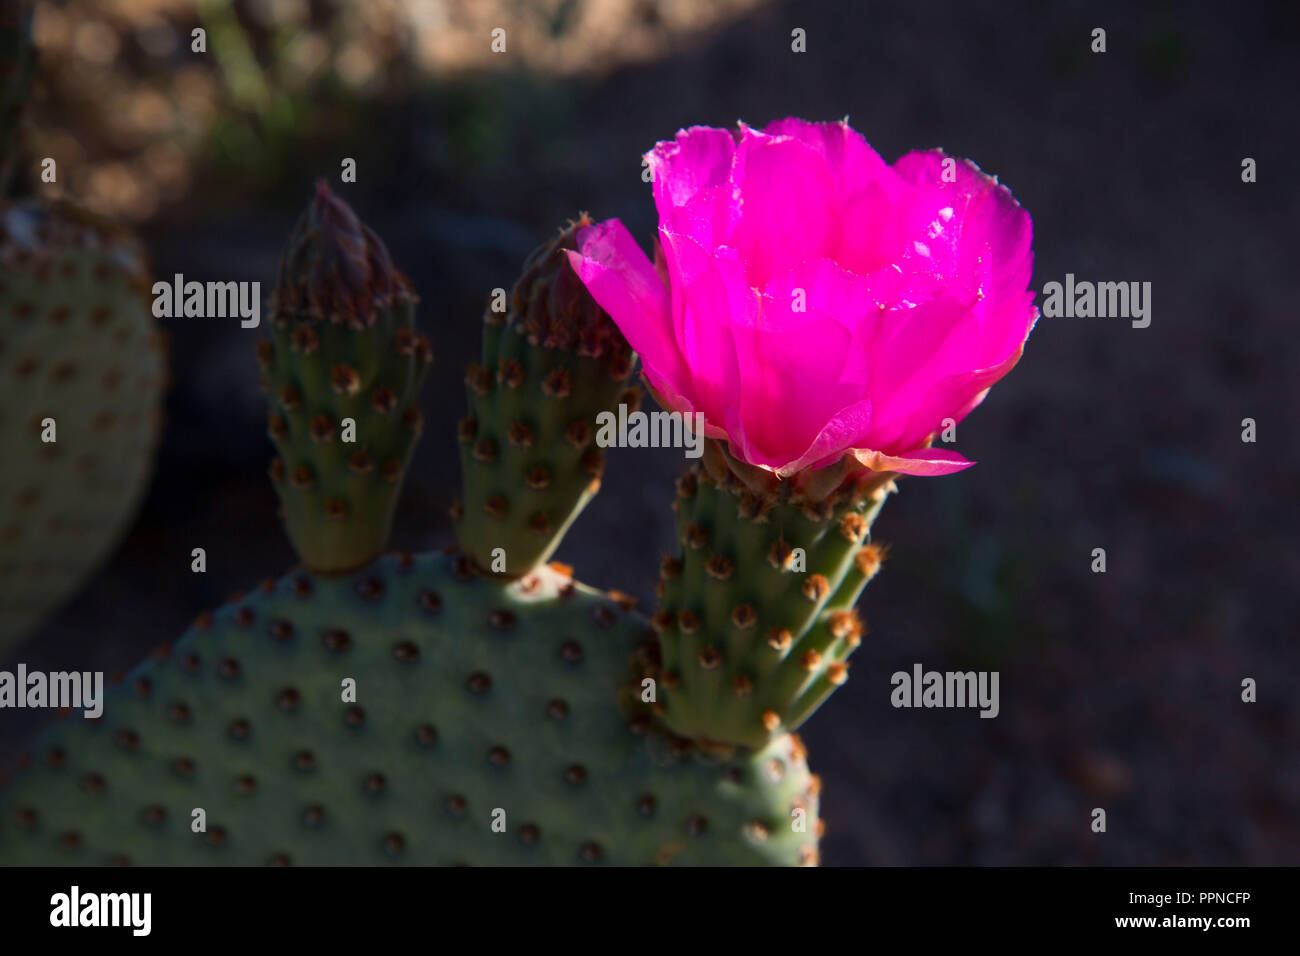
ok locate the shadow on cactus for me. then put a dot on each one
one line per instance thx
(479, 705)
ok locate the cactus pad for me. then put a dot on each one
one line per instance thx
(756, 619)
(78, 347)
(473, 696)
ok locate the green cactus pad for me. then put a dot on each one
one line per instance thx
(78, 346)
(751, 641)
(343, 374)
(473, 695)
(551, 364)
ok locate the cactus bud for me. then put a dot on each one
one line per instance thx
(347, 364)
(336, 269)
(552, 308)
(557, 354)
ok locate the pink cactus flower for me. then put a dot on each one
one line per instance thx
(813, 301)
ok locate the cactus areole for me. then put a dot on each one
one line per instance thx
(479, 705)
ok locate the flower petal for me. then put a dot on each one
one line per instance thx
(623, 281)
(820, 302)
(698, 158)
(833, 440)
(671, 400)
(790, 202)
(850, 159)
(923, 461)
(792, 383)
(709, 295)
(954, 397)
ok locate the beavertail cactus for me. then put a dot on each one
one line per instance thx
(420, 709)
(478, 705)
(82, 372)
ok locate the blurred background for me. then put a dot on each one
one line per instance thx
(1120, 690)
